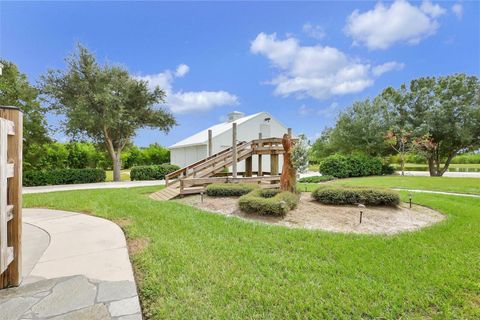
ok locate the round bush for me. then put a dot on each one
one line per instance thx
(155, 172)
(269, 202)
(338, 195)
(229, 189)
(340, 166)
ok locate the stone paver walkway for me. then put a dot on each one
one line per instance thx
(99, 185)
(75, 267)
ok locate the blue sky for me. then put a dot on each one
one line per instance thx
(302, 62)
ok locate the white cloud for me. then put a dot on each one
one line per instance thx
(433, 10)
(304, 110)
(316, 71)
(457, 9)
(400, 22)
(182, 70)
(386, 67)
(190, 101)
(330, 111)
(314, 31)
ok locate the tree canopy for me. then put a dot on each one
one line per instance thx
(438, 117)
(104, 103)
(15, 90)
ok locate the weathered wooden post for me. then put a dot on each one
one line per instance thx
(273, 164)
(248, 167)
(234, 150)
(210, 143)
(11, 138)
(288, 178)
(259, 170)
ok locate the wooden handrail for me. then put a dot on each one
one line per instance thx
(193, 165)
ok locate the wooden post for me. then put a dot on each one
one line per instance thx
(260, 172)
(234, 150)
(248, 167)
(274, 164)
(13, 275)
(289, 132)
(210, 143)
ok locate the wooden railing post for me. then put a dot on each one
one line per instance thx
(234, 149)
(13, 274)
(259, 170)
(210, 143)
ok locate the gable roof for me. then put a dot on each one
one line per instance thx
(201, 138)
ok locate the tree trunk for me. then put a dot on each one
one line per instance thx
(117, 166)
(402, 164)
(431, 167)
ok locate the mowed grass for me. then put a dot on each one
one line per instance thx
(124, 176)
(446, 184)
(200, 265)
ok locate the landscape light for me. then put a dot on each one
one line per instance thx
(410, 199)
(361, 207)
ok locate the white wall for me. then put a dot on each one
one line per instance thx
(184, 156)
(248, 131)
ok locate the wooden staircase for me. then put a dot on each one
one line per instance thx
(192, 178)
(166, 193)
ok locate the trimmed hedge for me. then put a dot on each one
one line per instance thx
(316, 179)
(269, 202)
(155, 172)
(341, 166)
(62, 176)
(339, 195)
(229, 189)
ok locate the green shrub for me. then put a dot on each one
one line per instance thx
(316, 179)
(229, 189)
(62, 176)
(387, 169)
(268, 202)
(339, 195)
(155, 172)
(340, 166)
(467, 158)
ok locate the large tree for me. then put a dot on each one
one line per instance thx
(104, 103)
(15, 90)
(443, 114)
(361, 129)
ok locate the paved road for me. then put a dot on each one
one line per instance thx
(446, 174)
(99, 185)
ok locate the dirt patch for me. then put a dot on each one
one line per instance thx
(311, 215)
(123, 222)
(137, 245)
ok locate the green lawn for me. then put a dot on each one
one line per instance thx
(125, 175)
(206, 266)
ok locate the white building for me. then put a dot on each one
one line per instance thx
(195, 148)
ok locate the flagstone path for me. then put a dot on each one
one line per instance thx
(75, 266)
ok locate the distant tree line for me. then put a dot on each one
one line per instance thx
(432, 118)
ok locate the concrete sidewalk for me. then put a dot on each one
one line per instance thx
(75, 266)
(98, 185)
